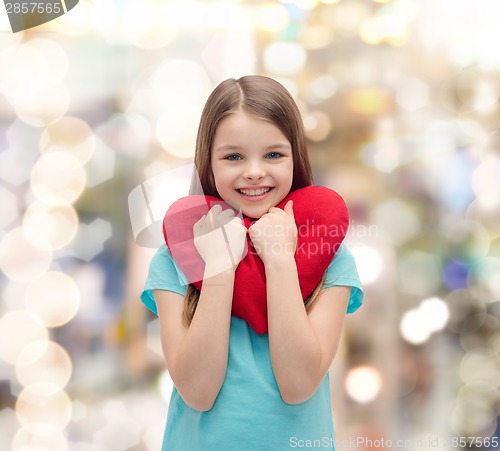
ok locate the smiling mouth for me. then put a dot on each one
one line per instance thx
(254, 192)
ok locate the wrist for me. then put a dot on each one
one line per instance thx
(279, 261)
(216, 271)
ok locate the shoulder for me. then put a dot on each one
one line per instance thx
(162, 256)
(343, 271)
(163, 275)
(163, 265)
(342, 266)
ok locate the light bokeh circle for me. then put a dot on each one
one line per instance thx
(18, 329)
(40, 437)
(43, 107)
(50, 227)
(363, 384)
(19, 259)
(44, 403)
(44, 361)
(58, 178)
(71, 135)
(54, 298)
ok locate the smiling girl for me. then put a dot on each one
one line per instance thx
(233, 388)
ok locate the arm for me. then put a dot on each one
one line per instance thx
(302, 346)
(196, 357)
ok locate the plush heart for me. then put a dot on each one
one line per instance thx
(321, 218)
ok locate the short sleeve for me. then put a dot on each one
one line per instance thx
(342, 271)
(163, 275)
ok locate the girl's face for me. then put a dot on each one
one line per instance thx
(252, 163)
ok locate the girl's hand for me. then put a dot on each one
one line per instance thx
(220, 239)
(274, 235)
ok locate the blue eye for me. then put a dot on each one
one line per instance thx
(273, 155)
(232, 157)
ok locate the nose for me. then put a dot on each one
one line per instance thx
(254, 171)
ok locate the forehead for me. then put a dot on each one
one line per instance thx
(240, 126)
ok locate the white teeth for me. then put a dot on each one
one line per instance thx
(254, 192)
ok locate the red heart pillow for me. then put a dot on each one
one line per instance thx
(322, 220)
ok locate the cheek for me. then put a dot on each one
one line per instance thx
(288, 174)
(218, 185)
(222, 179)
(216, 172)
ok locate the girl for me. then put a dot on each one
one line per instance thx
(235, 389)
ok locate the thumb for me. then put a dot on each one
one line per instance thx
(289, 209)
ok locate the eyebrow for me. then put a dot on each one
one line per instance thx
(227, 147)
(230, 147)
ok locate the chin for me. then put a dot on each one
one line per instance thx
(254, 213)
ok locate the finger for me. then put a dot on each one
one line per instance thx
(210, 217)
(212, 213)
(200, 221)
(237, 220)
(222, 217)
(217, 208)
(289, 209)
(198, 225)
(226, 214)
(228, 211)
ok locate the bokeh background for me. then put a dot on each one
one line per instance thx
(99, 108)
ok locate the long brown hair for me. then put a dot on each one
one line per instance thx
(269, 100)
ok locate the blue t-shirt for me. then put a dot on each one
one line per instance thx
(249, 413)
